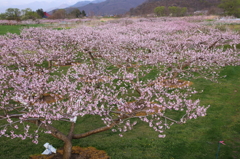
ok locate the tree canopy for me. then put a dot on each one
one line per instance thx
(13, 14)
(160, 11)
(120, 72)
(231, 7)
(29, 14)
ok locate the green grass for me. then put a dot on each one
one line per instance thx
(197, 139)
(4, 29)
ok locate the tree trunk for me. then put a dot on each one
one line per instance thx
(67, 149)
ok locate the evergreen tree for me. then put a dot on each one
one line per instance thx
(83, 13)
(40, 12)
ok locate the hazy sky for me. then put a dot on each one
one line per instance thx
(19, 2)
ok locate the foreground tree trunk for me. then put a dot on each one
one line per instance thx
(67, 149)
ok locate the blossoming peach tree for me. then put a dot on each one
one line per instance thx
(119, 71)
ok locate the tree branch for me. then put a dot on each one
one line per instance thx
(70, 134)
(178, 122)
(92, 59)
(98, 130)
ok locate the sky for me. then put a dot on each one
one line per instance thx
(20, 2)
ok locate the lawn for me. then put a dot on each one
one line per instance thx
(15, 28)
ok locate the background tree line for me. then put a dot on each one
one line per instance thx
(216, 7)
(17, 14)
(24, 14)
(172, 11)
(229, 7)
(62, 14)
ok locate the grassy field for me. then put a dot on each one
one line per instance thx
(15, 28)
(197, 139)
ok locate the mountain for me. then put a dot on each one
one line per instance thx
(62, 6)
(110, 7)
(83, 3)
(192, 5)
(76, 5)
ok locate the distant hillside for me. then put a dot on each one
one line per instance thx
(192, 5)
(111, 7)
(76, 5)
(83, 3)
